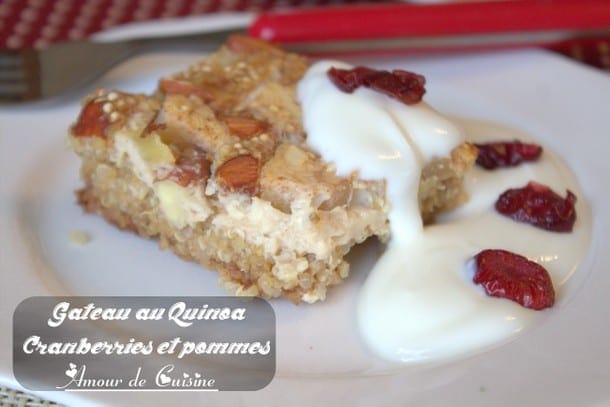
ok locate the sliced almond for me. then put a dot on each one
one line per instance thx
(245, 45)
(176, 87)
(245, 127)
(92, 121)
(239, 174)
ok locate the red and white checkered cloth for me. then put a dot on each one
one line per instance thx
(27, 23)
(35, 23)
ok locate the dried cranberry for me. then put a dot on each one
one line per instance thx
(506, 154)
(508, 275)
(347, 79)
(539, 206)
(92, 121)
(408, 87)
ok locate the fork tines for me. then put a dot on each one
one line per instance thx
(19, 76)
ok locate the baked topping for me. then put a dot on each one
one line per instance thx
(508, 275)
(506, 154)
(539, 206)
(294, 173)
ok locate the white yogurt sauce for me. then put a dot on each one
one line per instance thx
(419, 303)
(377, 135)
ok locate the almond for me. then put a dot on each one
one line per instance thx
(92, 121)
(240, 44)
(176, 87)
(245, 127)
(239, 174)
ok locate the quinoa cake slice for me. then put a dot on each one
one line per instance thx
(215, 165)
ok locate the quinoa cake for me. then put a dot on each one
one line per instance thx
(215, 165)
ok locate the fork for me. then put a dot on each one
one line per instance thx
(30, 74)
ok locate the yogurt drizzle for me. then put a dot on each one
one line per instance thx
(418, 303)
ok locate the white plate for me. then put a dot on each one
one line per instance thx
(562, 361)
